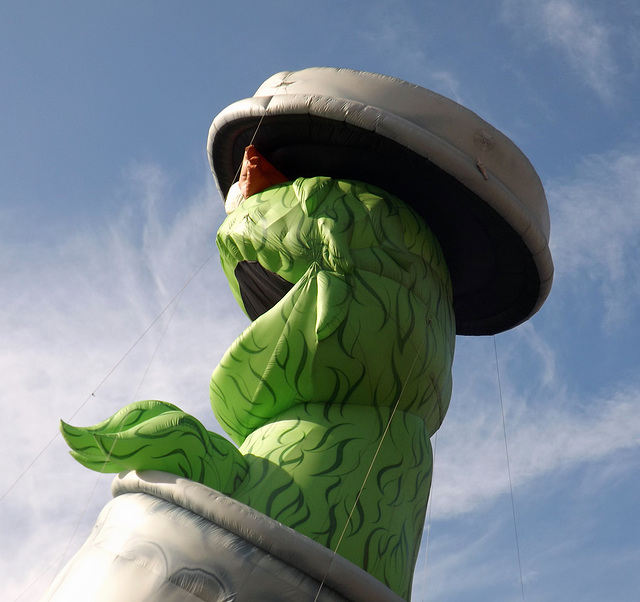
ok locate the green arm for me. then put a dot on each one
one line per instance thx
(154, 435)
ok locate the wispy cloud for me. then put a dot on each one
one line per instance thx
(448, 84)
(389, 31)
(549, 428)
(585, 41)
(392, 31)
(596, 228)
(71, 316)
(576, 31)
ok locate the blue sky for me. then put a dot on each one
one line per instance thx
(107, 208)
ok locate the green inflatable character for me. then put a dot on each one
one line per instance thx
(333, 391)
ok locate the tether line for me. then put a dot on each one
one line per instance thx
(506, 449)
(429, 512)
(176, 298)
(175, 301)
(236, 177)
(113, 369)
(366, 477)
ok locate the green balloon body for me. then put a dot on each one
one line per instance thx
(333, 393)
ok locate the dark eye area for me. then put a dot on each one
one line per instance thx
(260, 289)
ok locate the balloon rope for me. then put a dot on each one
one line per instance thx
(60, 559)
(255, 133)
(283, 84)
(506, 449)
(153, 323)
(236, 177)
(366, 477)
(115, 367)
(175, 301)
(429, 511)
(40, 576)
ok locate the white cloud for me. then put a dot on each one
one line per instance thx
(585, 41)
(457, 567)
(576, 31)
(448, 84)
(400, 38)
(596, 229)
(72, 312)
(549, 431)
(391, 33)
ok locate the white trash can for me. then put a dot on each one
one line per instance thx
(166, 538)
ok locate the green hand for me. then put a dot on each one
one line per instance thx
(154, 435)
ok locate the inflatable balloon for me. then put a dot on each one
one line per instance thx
(369, 220)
